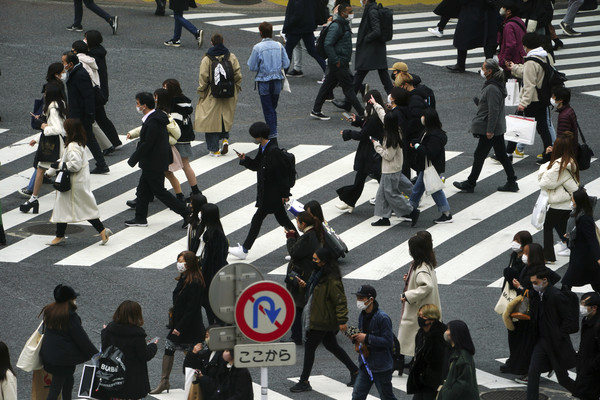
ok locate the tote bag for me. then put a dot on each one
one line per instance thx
(520, 129)
(30, 359)
(512, 89)
(508, 295)
(538, 216)
(431, 179)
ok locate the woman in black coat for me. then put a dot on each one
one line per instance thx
(65, 343)
(126, 333)
(366, 161)
(431, 349)
(178, 7)
(188, 328)
(584, 260)
(300, 267)
(233, 383)
(587, 384)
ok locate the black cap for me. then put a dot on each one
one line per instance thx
(593, 299)
(366, 291)
(64, 293)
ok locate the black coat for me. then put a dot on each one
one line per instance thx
(366, 158)
(370, 46)
(214, 256)
(67, 348)
(181, 5)
(423, 91)
(99, 54)
(153, 151)
(477, 25)
(301, 250)
(430, 356)
(514, 269)
(234, 384)
(300, 17)
(181, 111)
(431, 146)
(587, 384)
(548, 314)
(585, 253)
(448, 8)
(416, 106)
(131, 340)
(187, 315)
(209, 368)
(80, 94)
(271, 174)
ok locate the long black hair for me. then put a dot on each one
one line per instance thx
(53, 92)
(4, 361)
(315, 209)
(331, 268)
(197, 201)
(310, 220)
(420, 250)
(536, 255)
(54, 69)
(377, 96)
(391, 131)
(163, 100)
(461, 337)
(211, 221)
(582, 202)
(432, 119)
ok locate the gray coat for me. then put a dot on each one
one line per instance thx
(490, 111)
(370, 47)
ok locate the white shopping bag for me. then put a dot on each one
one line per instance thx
(538, 216)
(431, 179)
(30, 359)
(520, 129)
(190, 375)
(512, 90)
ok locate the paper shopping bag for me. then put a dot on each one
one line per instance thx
(512, 90)
(520, 129)
(40, 384)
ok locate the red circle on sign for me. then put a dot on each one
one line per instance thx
(248, 295)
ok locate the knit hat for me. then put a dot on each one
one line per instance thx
(64, 293)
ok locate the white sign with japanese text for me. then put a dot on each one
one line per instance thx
(264, 355)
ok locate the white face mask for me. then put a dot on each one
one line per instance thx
(503, 11)
(524, 258)
(64, 76)
(139, 110)
(389, 99)
(538, 288)
(361, 305)
(350, 17)
(446, 337)
(552, 101)
(482, 74)
(181, 267)
(423, 121)
(583, 310)
(515, 246)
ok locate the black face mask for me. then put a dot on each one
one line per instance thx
(393, 75)
(422, 322)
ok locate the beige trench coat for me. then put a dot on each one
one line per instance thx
(209, 110)
(78, 204)
(422, 288)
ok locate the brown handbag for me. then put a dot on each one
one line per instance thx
(522, 312)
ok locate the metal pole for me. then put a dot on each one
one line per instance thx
(264, 383)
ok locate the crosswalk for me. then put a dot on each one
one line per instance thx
(411, 41)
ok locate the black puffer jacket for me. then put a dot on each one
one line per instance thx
(301, 250)
(153, 151)
(430, 354)
(366, 158)
(432, 145)
(67, 348)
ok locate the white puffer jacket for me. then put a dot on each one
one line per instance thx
(560, 186)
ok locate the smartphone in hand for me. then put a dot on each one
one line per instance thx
(347, 116)
(237, 152)
(153, 340)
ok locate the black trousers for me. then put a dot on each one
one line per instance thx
(153, 183)
(350, 194)
(107, 126)
(62, 383)
(92, 144)
(259, 217)
(61, 227)
(338, 75)
(384, 76)
(542, 362)
(484, 145)
(555, 219)
(443, 22)
(313, 339)
(461, 59)
(540, 113)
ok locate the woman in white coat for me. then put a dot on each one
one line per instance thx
(77, 204)
(420, 288)
(559, 178)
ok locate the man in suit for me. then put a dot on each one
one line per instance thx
(81, 98)
(272, 189)
(154, 155)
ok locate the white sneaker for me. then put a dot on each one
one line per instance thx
(288, 258)
(238, 252)
(215, 154)
(435, 32)
(345, 207)
(560, 246)
(372, 200)
(320, 82)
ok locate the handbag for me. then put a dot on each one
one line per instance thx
(513, 93)
(334, 242)
(62, 183)
(48, 148)
(522, 312)
(29, 359)
(538, 216)
(508, 294)
(520, 129)
(431, 179)
(584, 153)
(99, 99)
(89, 383)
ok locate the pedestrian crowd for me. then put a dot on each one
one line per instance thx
(397, 132)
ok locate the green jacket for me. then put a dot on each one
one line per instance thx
(461, 383)
(338, 42)
(329, 308)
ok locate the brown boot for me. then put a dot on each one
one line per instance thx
(167, 365)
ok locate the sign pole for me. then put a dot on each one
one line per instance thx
(264, 383)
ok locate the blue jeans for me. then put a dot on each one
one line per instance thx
(212, 140)
(181, 22)
(92, 6)
(417, 192)
(269, 97)
(32, 180)
(572, 8)
(382, 381)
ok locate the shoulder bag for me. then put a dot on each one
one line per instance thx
(30, 359)
(522, 312)
(584, 153)
(62, 183)
(508, 295)
(48, 148)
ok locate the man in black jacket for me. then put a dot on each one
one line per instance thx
(553, 349)
(587, 385)
(82, 105)
(272, 188)
(153, 152)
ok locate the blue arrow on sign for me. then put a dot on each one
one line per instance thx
(271, 313)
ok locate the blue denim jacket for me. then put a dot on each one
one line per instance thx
(380, 341)
(268, 58)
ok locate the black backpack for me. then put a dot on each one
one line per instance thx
(386, 22)
(290, 168)
(111, 370)
(223, 71)
(320, 44)
(552, 79)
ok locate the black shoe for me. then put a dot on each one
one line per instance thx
(464, 186)
(456, 68)
(510, 186)
(301, 387)
(199, 37)
(444, 219)
(381, 222)
(342, 104)
(136, 222)
(173, 43)
(414, 217)
(353, 377)
(100, 170)
(131, 203)
(295, 74)
(28, 205)
(505, 369)
(319, 115)
(160, 11)
(76, 28)
(108, 151)
(114, 24)
(558, 44)
(329, 98)
(568, 30)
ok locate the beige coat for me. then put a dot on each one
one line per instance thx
(532, 74)
(422, 288)
(172, 128)
(209, 110)
(560, 186)
(78, 204)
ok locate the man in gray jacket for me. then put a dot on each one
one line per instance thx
(489, 125)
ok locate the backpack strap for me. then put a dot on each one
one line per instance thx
(580, 132)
